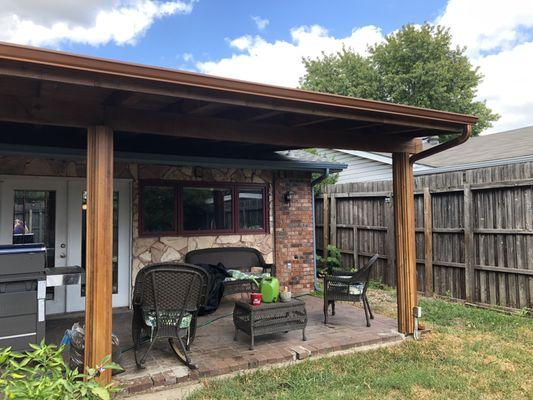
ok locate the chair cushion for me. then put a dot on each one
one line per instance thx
(240, 275)
(356, 289)
(167, 318)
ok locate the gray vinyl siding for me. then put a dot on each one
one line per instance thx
(359, 169)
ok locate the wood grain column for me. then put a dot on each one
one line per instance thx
(98, 300)
(404, 224)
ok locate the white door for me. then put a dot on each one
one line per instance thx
(32, 210)
(121, 242)
(52, 211)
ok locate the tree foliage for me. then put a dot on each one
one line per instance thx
(417, 65)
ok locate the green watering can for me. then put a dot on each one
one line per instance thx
(269, 289)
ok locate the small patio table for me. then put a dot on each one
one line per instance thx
(269, 318)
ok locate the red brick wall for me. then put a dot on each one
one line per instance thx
(294, 231)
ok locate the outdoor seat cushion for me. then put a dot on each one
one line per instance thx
(240, 275)
(167, 318)
(353, 288)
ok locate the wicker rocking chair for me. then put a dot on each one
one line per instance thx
(348, 286)
(166, 300)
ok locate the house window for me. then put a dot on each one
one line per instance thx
(158, 205)
(207, 208)
(185, 208)
(251, 208)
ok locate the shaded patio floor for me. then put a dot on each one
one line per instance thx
(216, 353)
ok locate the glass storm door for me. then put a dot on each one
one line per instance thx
(77, 214)
(53, 211)
(32, 210)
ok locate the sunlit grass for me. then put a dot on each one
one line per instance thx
(470, 354)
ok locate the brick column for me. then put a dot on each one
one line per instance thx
(294, 231)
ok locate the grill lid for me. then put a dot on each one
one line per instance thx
(22, 248)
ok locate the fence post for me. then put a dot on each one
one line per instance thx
(355, 247)
(325, 227)
(333, 226)
(469, 244)
(390, 275)
(428, 243)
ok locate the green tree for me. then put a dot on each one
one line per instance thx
(417, 65)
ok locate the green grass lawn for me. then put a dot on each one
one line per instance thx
(470, 354)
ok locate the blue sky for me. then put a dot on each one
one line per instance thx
(265, 41)
(204, 32)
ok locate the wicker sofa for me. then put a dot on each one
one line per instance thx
(237, 258)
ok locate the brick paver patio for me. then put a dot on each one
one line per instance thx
(216, 353)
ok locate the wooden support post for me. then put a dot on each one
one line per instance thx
(325, 227)
(428, 243)
(404, 223)
(469, 244)
(98, 300)
(333, 227)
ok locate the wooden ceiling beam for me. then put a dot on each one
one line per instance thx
(72, 114)
(311, 122)
(363, 126)
(117, 98)
(263, 116)
(207, 109)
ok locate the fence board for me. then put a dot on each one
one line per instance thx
(474, 235)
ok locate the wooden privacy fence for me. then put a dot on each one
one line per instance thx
(474, 231)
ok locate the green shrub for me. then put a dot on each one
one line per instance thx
(43, 374)
(332, 262)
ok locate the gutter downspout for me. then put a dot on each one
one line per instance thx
(313, 183)
(467, 132)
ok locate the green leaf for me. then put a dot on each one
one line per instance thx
(101, 392)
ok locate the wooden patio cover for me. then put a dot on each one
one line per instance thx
(103, 96)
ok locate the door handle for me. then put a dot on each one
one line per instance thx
(62, 255)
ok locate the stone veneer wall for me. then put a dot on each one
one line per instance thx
(148, 250)
(291, 224)
(294, 232)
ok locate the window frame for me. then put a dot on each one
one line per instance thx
(156, 182)
(234, 187)
(266, 207)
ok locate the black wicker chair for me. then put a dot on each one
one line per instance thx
(241, 258)
(348, 286)
(166, 300)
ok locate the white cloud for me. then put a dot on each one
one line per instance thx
(188, 57)
(261, 23)
(499, 39)
(92, 22)
(280, 62)
(487, 25)
(242, 43)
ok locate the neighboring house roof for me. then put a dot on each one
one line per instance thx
(303, 157)
(506, 145)
(482, 151)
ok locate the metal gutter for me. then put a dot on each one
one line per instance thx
(176, 160)
(313, 183)
(467, 132)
